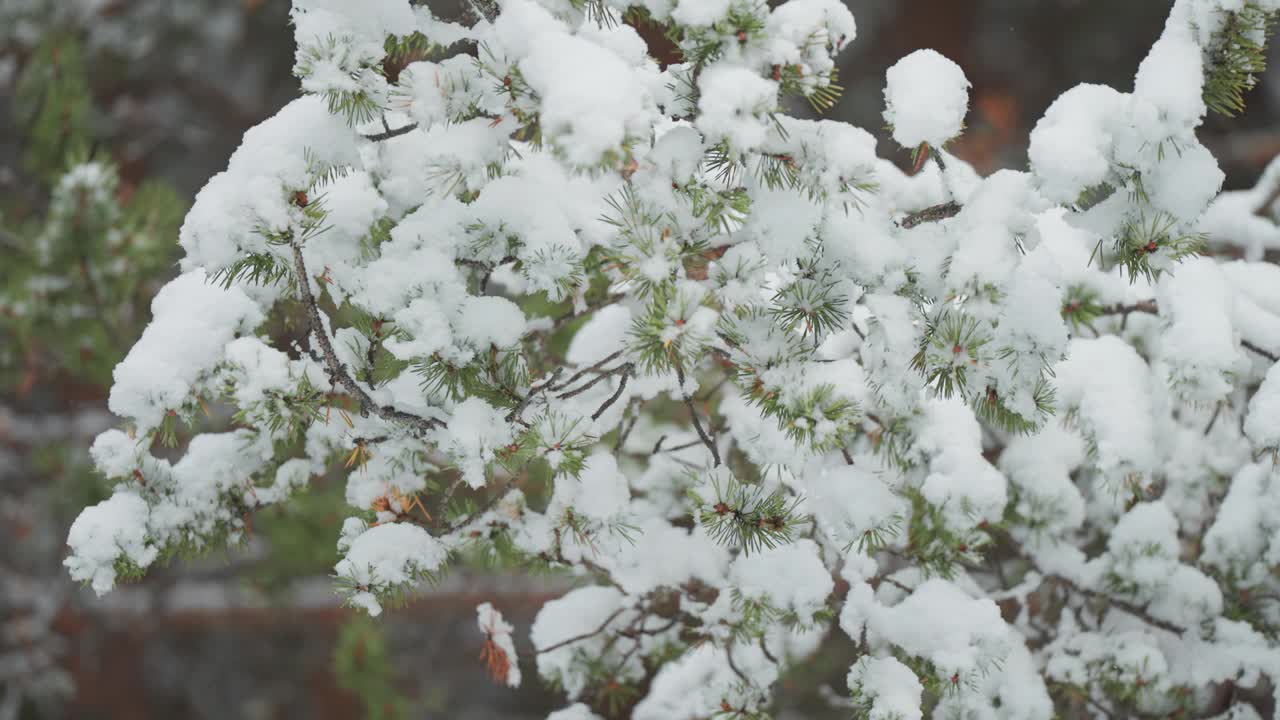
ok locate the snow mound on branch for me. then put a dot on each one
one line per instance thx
(192, 322)
(926, 99)
(103, 533)
(384, 557)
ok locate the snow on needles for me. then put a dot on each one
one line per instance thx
(926, 99)
(547, 301)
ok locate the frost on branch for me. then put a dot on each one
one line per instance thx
(549, 302)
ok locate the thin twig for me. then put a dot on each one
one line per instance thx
(391, 133)
(627, 372)
(584, 371)
(626, 427)
(583, 636)
(572, 313)
(528, 397)
(693, 413)
(710, 393)
(728, 653)
(682, 446)
(1264, 353)
(1217, 409)
(467, 519)
(624, 368)
(448, 495)
(1142, 306)
(1128, 607)
(764, 648)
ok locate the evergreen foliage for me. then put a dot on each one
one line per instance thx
(567, 308)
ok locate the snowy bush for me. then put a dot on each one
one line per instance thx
(548, 302)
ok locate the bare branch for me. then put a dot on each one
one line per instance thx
(1142, 306)
(535, 390)
(585, 635)
(623, 368)
(391, 133)
(693, 413)
(583, 372)
(1217, 410)
(1264, 353)
(627, 371)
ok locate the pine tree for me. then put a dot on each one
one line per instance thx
(549, 303)
(85, 249)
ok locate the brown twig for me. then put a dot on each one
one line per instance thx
(625, 429)
(583, 636)
(467, 519)
(1142, 306)
(693, 413)
(584, 371)
(624, 368)
(1128, 607)
(627, 371)
(683, 446)
(534, 390)
(933, 213)
(337, 371)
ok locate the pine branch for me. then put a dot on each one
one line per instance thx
(584, 371)
(728, 653)
(743, 515)
(658, 448)
(624, 430)
(573, 313)
(391, 133)
(1217, 410)
(693, 413)
(1128, 607)
(1149, 307)
(583, 636)
(1264, 353)
(518, 410)
(467, 519)
(627, 371)
(1142, 306)
(1238, 57)
(600, 377)
(933, 213)
(337, 371)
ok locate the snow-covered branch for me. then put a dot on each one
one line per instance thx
(571, 308)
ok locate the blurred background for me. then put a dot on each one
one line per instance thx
(113, 113)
